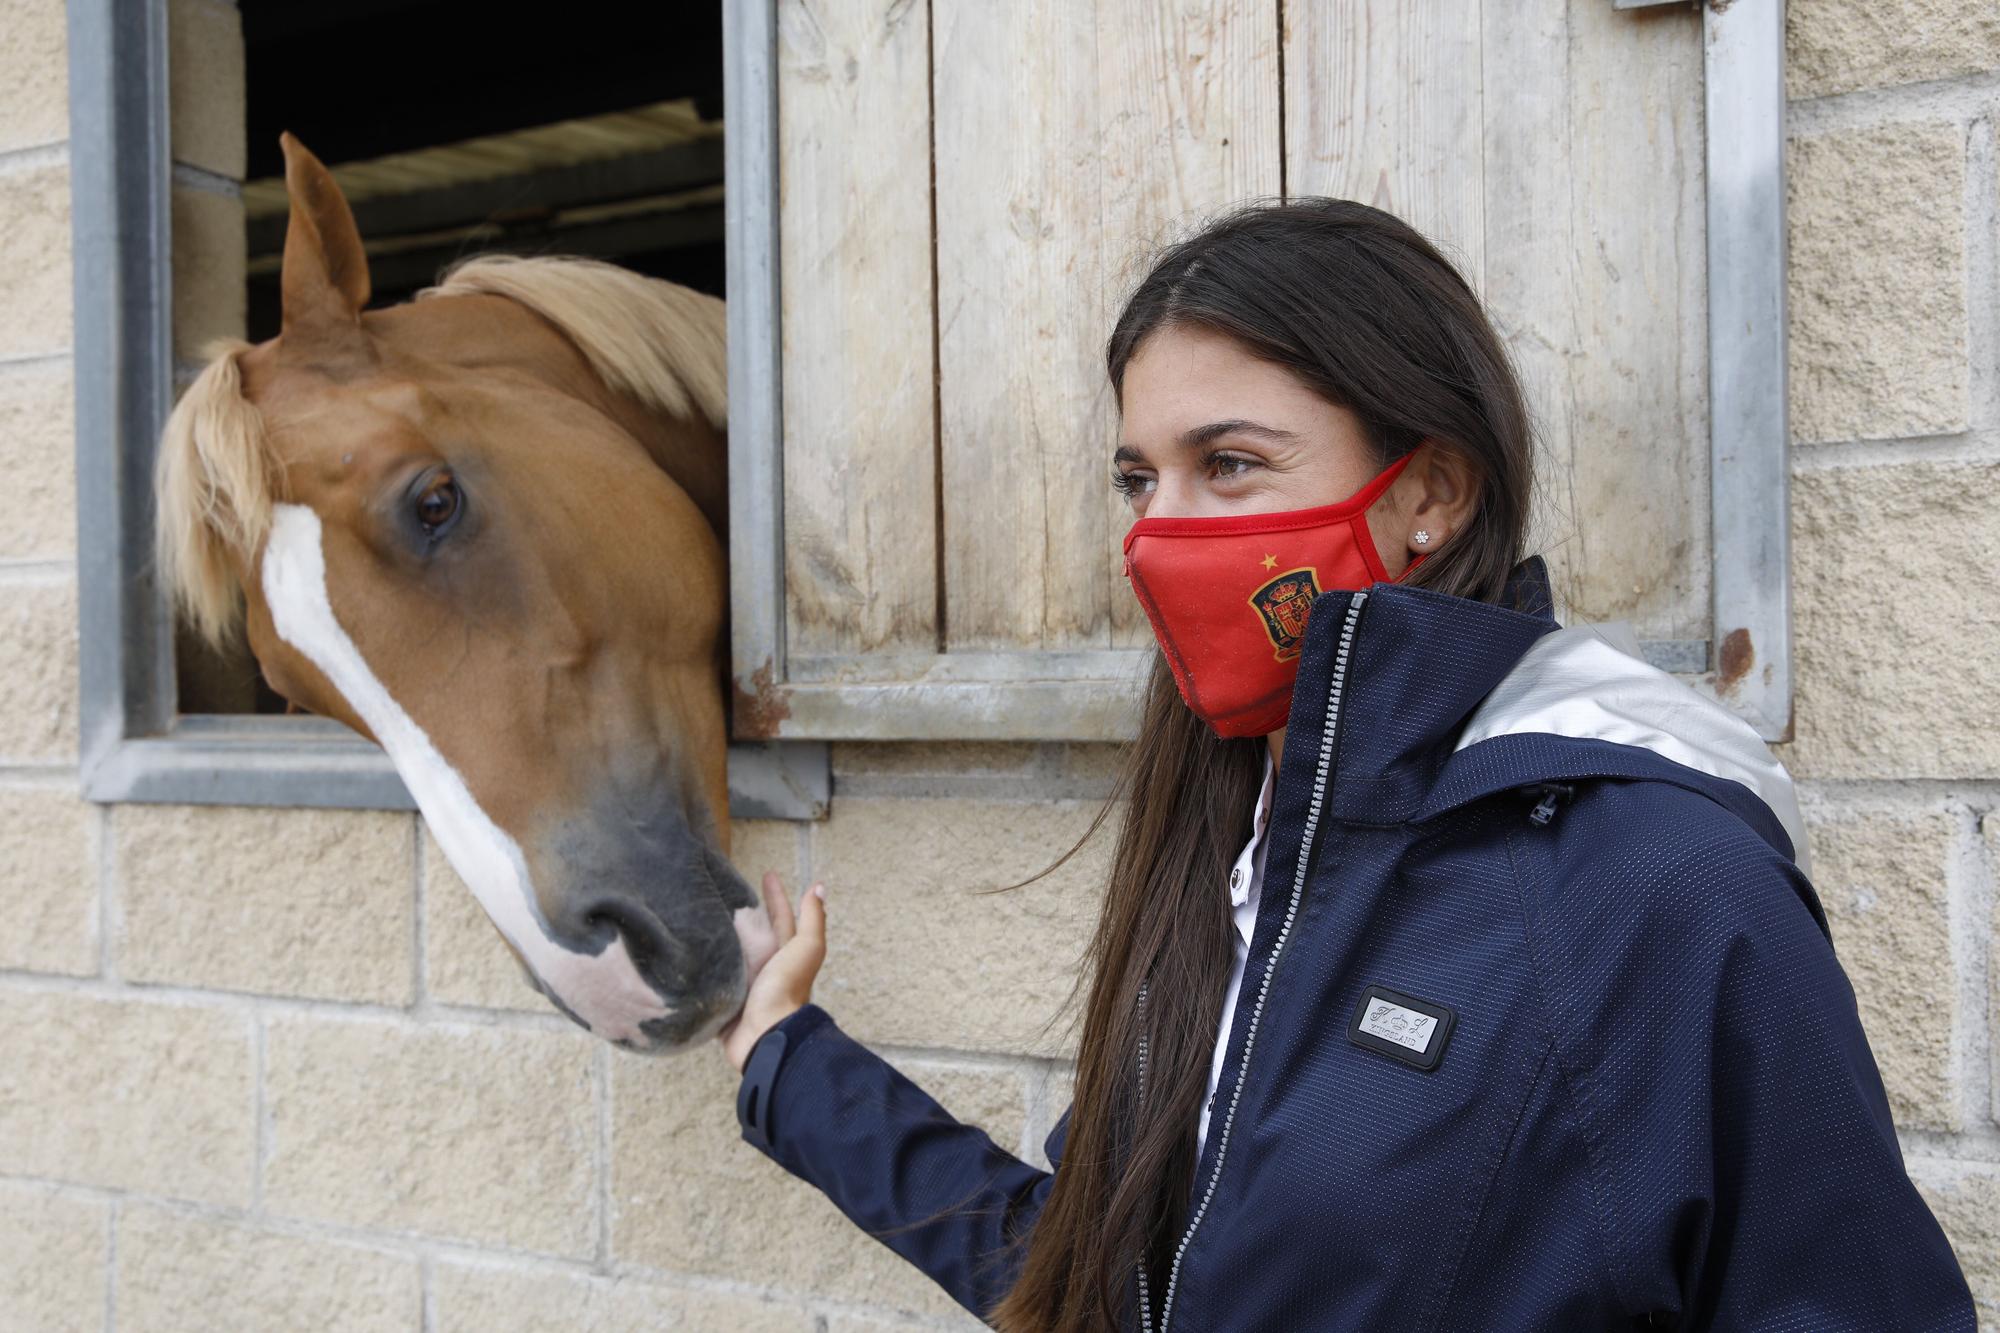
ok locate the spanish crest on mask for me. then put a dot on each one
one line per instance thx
(1283, 605)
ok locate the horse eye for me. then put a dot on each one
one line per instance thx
(439, 504)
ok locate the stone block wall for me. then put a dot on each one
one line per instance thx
(1894, 208)
(272, 1070)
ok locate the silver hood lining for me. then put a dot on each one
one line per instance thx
(1589, 681)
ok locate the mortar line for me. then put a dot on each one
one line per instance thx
(1978, 445)
(1982, 273)
(986, 1062)
(112, 1216)
(601, 1094)
(438, 1018)
(40, 777)
(420, 973)
(1025, 787)
(1958, 97)
(426, 1248)
(391, 1242)
(25, 364)
(110, 919)
(203, 180)
(426, 1293)
(37, 573)
(1973, 1147)
(1979, 1149)
(802, 853)
(1982, 929)
(1981, 794)
(34, 157)
(1970, 1091)
(260, 1108)
(1974, 1166)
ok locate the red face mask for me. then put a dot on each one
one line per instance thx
(1229, 597)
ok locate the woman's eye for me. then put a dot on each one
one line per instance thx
(1231, 465)
(1130, 484)
(438, 504)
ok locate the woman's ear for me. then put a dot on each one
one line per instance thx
(1440, 492)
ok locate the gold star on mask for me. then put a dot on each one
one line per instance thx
(1270, 562)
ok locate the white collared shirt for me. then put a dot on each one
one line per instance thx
(1246, 882)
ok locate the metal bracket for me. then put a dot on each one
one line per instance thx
(1750, 511)
(1749, 440)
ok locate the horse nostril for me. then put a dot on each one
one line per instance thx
(659, 957)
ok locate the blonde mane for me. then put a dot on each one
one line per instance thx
(657, 341)
(215, 477)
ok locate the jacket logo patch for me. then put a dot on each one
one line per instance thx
(1283, 605)
(1407, 1029)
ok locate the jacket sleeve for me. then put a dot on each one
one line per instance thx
(941, 1194)
(1747, 1170)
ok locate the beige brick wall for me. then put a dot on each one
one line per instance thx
(1894, 211)
(273, 1070)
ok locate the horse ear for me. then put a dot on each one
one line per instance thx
(325, 280)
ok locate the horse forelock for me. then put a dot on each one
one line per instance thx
(214, 483)
(659, 342)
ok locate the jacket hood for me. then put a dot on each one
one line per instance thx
(1590, 682)
(1444, 699)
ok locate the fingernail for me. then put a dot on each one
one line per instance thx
(819, 892)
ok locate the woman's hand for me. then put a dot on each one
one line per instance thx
(783, 984)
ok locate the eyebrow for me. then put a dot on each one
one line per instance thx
(1197, 436)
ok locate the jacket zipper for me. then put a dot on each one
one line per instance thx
(1145, 1287)
(1320, 774)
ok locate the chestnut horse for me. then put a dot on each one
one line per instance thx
(486, 530)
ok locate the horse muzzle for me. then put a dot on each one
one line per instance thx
(641, 918)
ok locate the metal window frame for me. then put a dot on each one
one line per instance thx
(134, 744)
(1749, 466)
(1031, 695)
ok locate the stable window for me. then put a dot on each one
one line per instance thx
(600, 139)
(926, 231)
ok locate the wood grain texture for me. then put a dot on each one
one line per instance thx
(855, 273)
(1072, 139)
(1595, 275)
(1383, 103)
(1553, 149)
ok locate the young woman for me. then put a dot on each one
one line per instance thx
(1456, 970)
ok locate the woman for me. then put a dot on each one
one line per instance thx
(1456, 971)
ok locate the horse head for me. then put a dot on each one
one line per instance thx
(485, 529)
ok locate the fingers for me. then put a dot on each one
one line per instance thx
(783, 923)
(795, 965)
(812, 917)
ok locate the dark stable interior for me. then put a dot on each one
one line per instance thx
(363, 79)
(366, 78)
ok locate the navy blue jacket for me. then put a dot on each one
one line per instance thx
(1654, 1106)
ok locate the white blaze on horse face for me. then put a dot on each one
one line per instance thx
(604, 989)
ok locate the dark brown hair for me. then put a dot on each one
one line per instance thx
(1369, 314)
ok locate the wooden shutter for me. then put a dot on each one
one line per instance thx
(965, 191)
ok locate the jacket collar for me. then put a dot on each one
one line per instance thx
(1399, 676)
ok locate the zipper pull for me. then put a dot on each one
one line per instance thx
(1553, 794)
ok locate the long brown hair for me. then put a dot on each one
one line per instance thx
(1370, 315)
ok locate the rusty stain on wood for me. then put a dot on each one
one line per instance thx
(761, 709)
(1734, 660)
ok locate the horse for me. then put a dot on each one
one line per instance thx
(486, 529)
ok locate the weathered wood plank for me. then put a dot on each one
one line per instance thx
(1071, 138)
(855, 273)
(1595, 276)
(1383, 104)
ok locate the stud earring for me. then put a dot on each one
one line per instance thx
(1421, 537)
